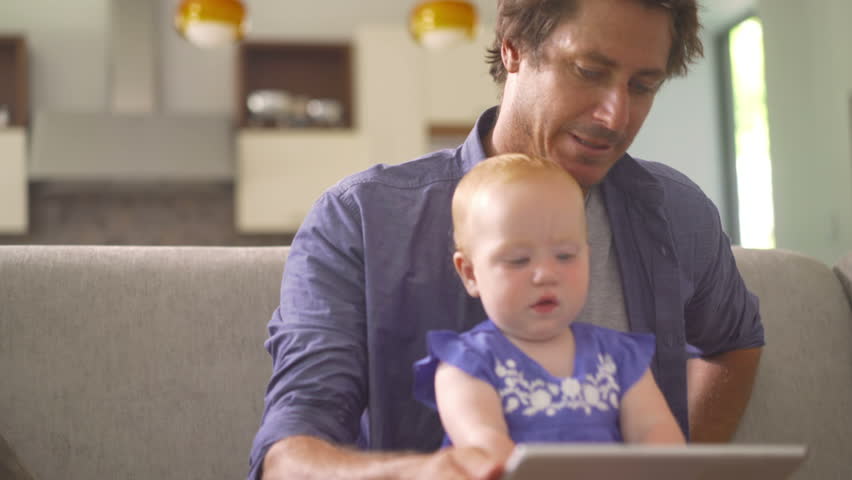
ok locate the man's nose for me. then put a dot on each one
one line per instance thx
(613, 108)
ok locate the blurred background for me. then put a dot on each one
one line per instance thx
(115, 129)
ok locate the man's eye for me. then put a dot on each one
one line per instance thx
(588, 74)
(565, 257)
(643, 88)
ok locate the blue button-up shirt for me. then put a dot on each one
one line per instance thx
(370, 272)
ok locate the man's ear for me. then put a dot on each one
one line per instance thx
(465, 270)
(511, 56)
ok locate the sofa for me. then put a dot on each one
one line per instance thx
(844, 272)
(148, 362)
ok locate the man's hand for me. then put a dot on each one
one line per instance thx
(719, 388)
(308, 458)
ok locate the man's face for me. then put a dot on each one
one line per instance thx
(584, 99)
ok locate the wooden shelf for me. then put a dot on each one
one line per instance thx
(310, 70)
(449, 130)
(14, 79)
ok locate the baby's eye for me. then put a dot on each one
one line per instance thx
(518, 261)
(564, 257)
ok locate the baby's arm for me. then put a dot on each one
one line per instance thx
(471, 412)
(645, 415)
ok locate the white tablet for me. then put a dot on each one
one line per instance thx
(559, 461)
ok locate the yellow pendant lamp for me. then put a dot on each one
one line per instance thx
(443, 23)
(211, 23)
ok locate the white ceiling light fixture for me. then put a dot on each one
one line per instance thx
(211, 23)
(440, 24)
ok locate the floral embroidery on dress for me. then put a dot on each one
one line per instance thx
(598, 391)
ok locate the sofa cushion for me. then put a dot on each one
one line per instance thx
(803, 391)
(135, 362)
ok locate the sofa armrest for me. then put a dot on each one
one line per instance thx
(843, 270)
(804, 382)
(10, 465)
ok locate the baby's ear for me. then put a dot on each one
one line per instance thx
(465, 270)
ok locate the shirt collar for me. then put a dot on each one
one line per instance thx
(472, 150)
(633, 178)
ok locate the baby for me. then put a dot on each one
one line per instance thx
(529, 373)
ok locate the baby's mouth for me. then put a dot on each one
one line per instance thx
(545, 305)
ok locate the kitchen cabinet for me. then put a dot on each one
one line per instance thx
(13, 181)
(14, 81)
(402, 94)
(281, 173)
(303, 72)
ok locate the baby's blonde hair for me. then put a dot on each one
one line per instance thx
(495, 172)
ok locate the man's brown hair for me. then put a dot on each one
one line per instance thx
(528, 23)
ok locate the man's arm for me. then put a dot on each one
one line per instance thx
(723, 323)
(718, 390)
(308, 458)
(319, 332)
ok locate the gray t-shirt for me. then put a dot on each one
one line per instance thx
(605, 303)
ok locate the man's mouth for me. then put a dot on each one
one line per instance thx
(600, 145)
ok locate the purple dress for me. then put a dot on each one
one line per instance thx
(538, 406)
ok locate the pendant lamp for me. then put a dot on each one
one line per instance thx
(210, 23)
(439, 24)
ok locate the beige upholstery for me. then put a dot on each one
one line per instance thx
(803, 392)
(148, 362)
(134, 362)
(10, 465)
(843, 269)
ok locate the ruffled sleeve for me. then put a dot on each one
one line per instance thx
(634, 358)
(449, 347)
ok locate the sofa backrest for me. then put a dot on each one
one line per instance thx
(134, 362)
(803, 391)
(147, 362)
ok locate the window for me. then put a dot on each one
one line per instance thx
(749, 162)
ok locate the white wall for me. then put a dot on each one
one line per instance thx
(194, 80)
(67, 44)
(809, 88)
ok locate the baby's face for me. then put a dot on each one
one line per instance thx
(528, 255)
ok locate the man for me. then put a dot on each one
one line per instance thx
(370, 270)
